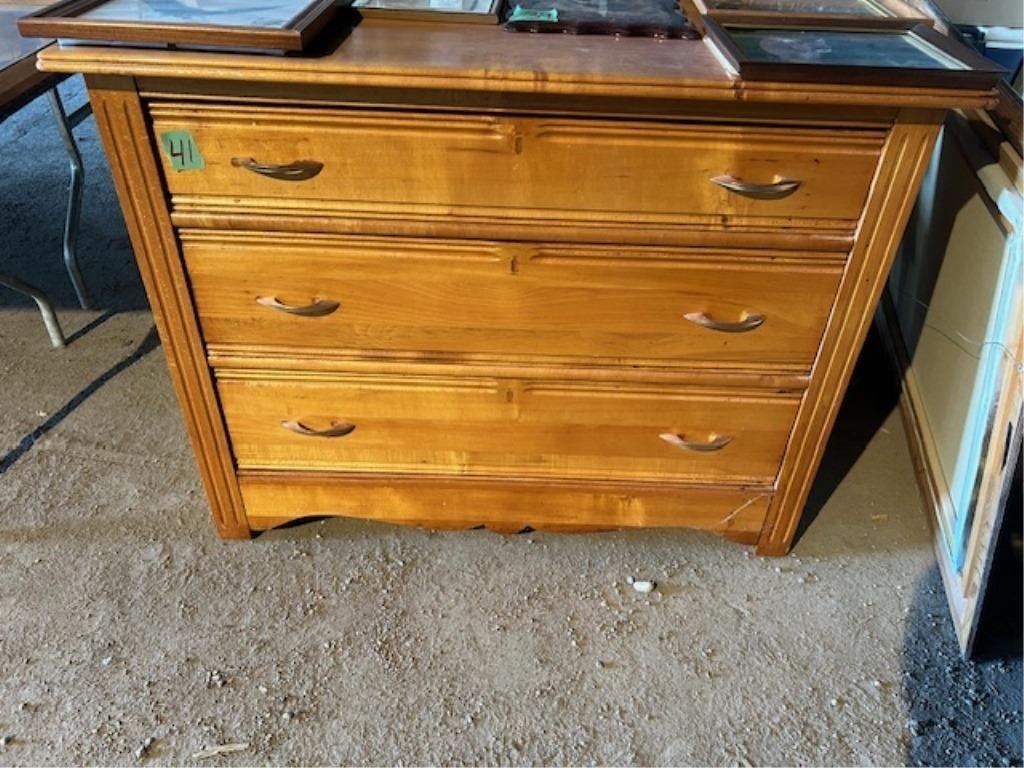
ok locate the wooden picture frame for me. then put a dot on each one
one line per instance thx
(966, 69)
(417, 10)
(68, 20)
(881, 14)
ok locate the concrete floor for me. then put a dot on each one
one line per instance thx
(125, 619)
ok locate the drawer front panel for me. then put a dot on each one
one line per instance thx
(490, 427)
(490, 299)
(517, 167)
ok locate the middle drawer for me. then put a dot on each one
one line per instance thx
(477, 300)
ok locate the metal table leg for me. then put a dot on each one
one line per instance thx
(65, 125)
(45, 308)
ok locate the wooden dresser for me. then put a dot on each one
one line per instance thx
(453, 276)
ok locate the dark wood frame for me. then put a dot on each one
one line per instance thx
(980, 72)
(904, 16)
(63, 21)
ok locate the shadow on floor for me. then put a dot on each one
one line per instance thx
(147, 345)
(870, 398)
(1001, 625)
(959, 712)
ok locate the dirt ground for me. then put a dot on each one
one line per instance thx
(126, 622)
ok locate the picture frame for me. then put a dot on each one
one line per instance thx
(258, 25)
(915, 57)
(465, 11)
(867, 14)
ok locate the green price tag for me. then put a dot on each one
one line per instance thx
(181, 147)
(533, 14)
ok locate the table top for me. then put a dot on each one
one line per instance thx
(425, 56)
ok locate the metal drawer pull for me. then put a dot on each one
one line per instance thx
(318, 308)
(335, 430)
(779, 188)
(748, 322)
(716, 443)
(300, 170)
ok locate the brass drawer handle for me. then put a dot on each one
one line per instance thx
(748, 322)
(339, 429)
(300, 170)
(318, 308)
(777, 189)
(716, 443)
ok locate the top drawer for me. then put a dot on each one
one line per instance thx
(530, 169)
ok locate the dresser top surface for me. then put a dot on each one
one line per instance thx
(469, 57)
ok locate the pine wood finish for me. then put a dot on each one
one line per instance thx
(736, 513)
(118, 112)
(517, 167)
(477, 298)
(489, 271)
(904, 162)
(458, 425)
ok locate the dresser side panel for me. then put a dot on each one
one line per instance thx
(122, 126)
(904, 160)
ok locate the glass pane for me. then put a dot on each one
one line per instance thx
(14, 47)
(825, 7)
(839, 48)
(234, 13)
(462, 6)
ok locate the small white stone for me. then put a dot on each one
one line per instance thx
(643, 586)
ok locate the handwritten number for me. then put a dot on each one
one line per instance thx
(181, 150)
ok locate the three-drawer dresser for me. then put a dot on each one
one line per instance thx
(451, 276)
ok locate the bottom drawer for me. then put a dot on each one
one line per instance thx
(496, 427)
(274, 498)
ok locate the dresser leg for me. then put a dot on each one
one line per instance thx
(903, 163)
(233, 532)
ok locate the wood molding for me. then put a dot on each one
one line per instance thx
(904, 160)
(216, 212)
(122, 126)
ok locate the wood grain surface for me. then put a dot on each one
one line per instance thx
(472, 298)
(492, 290)
(125, 135)
(477, 60)
(458, 425)
(518, 167)
(273, 498)
(904, 161)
